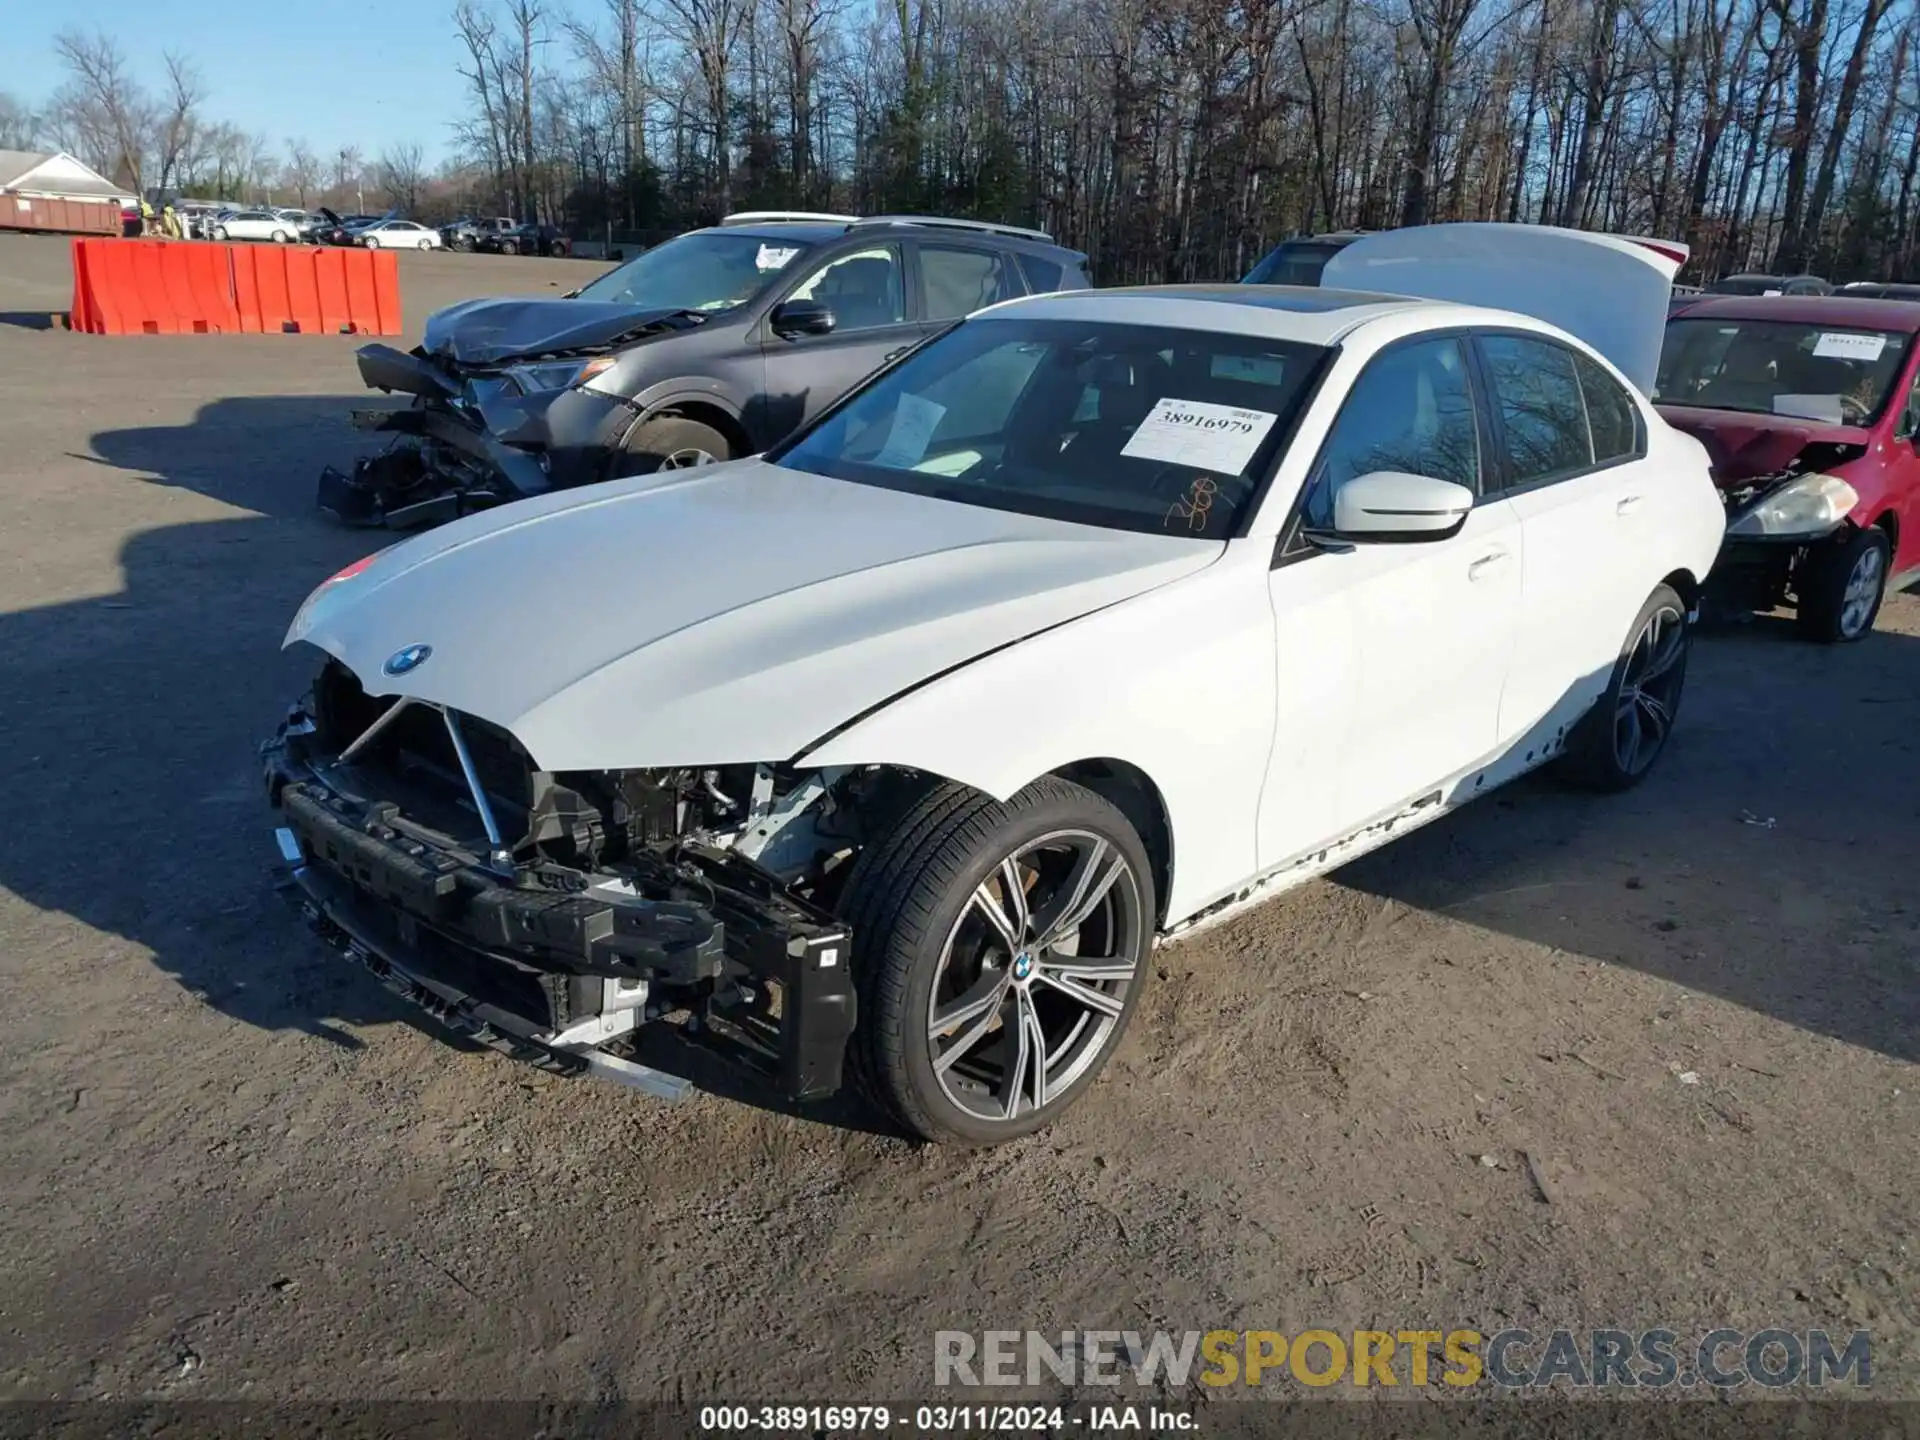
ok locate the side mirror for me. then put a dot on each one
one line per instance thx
(1390, 505)
(792, 318)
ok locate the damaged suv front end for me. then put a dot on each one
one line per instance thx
(481, 429)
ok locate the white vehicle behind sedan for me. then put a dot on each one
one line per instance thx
(1091, 621)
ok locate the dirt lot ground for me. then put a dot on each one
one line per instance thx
(232, 1168)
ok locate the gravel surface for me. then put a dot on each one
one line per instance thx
(1552, 1062)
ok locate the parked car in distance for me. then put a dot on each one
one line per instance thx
(467, 234)
(397, 235)
(255, 225)
(710, 346)
(1097, 618)
(1301, 260)
(1810, 409)
(528, 239)
(1769, 285)
(1878, 290)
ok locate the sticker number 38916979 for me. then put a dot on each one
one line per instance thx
(1220, 438)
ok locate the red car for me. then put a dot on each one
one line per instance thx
(1809, 407)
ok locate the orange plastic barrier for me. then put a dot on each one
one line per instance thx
(169, 287)
(315, 290)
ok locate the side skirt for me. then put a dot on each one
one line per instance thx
(1458, 790)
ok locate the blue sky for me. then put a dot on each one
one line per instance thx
(335, 72)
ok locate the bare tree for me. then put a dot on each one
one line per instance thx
(19, 126)
(401, 173)
(101, 110)
(177, 119)
(302, 171)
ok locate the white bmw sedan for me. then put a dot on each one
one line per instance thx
(1090, 621)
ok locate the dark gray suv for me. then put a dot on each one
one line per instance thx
(711, 346)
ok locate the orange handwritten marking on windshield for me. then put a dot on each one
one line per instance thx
(1195, 507)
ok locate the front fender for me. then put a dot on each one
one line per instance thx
(1178, 682)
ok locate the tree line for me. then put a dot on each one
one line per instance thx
(1178, 139)
(1169, 139)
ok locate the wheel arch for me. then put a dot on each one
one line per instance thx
(1685, 585)
(1132, 791)
(708, 407)
(1888, 521)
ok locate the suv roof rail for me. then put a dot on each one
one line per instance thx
(769, 217)
(942, 221)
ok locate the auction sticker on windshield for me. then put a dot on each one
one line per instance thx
(1220, 438)
(774, 257)
(1848, 345)
(914, 421)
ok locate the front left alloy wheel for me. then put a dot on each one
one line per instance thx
(999, 951)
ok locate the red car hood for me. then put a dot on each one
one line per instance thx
(1743, 447)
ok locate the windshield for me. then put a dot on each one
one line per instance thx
(1293, 263)
(707, 270)
(1128, 426)
(1834, 374)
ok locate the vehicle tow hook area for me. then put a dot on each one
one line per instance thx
(572, 1052)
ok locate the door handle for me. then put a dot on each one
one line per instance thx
(1487, 564)
(1627, 506)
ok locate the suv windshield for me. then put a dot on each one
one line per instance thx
(1295, 262)
(707, 270)
(1834, 374)
(1129, 426)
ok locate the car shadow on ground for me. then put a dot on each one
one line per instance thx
(1787, 807)
(130, 723)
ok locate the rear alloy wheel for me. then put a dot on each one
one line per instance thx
(669, 442)
(507, 247)
(1841, 586)
(426, 244)
(219, 232)
(1616, 743)
(279, 237)
(999, 950)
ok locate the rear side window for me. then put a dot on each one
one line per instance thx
(1043, 276)
(1612, 417)
(1541, 408)
(958, 282)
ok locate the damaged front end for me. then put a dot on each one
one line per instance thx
(478, 433)
(1777, 521)
(553, 916)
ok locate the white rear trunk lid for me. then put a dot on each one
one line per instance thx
(1609, 290)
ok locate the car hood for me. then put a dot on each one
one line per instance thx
(732, 614)
(1743, 446)
(485, 332)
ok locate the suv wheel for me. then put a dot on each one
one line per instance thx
(669, 442)
(999, 952)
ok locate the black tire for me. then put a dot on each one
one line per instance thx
(911, 903)
(279, 237)
(669, 442)
(219, 232)
(1598, 755)
(558, 249)
(1829, 609)
(507, 247)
